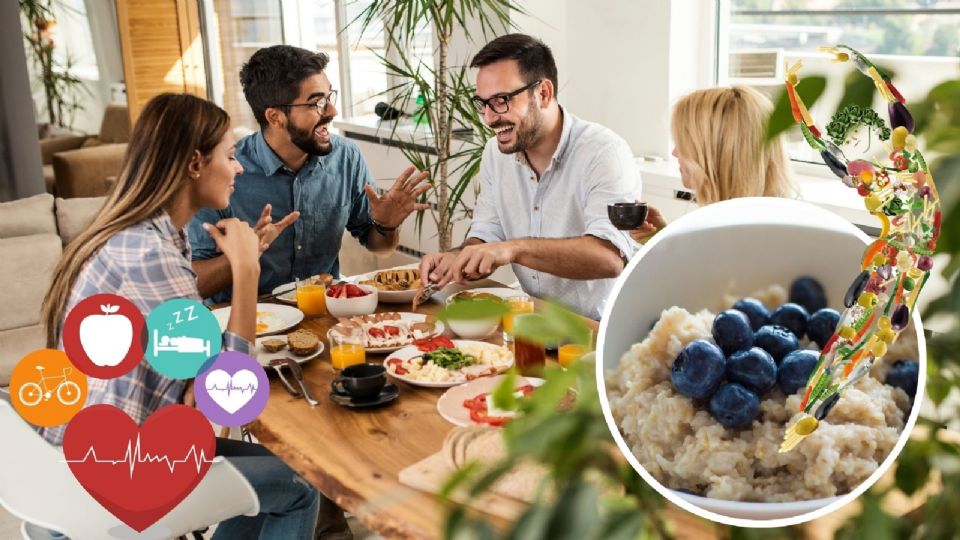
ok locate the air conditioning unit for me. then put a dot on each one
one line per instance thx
(761, 67)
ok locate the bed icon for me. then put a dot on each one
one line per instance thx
(179, 344)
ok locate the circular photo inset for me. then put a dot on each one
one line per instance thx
(705, 352)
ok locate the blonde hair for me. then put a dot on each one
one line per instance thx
(170, 129)
(719, 133)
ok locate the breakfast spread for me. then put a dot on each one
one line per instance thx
(400, 279)
(440, 360)
(702, 400)
(391, 329)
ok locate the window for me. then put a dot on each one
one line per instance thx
(235, 29)
(918, 41)
(74, 41)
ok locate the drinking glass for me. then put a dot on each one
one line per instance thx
(346, 347)
(530, 357)
(519, 305)
(311, 298)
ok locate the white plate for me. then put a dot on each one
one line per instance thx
(502, 292)
(388, 297)
(450, 405)
(264, 357)
(411, 351)
(406, 316)
(277, 317)
(756, 510)
(289, 297)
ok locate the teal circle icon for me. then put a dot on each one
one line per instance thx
(183, 335)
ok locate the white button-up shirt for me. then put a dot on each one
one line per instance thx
(592, 167)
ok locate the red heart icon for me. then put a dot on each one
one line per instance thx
(139, 474)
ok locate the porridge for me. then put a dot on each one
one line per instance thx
(683, 443)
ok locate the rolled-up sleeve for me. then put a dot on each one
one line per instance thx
(486, 224)
(202, 245)
(613, 177)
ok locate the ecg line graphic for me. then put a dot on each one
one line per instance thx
(231, 388)
(133, 456)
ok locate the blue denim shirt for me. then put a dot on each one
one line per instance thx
(328, 193)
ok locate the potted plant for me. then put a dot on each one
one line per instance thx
(440, 95)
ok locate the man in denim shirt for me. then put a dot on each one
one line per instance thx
(293, 167)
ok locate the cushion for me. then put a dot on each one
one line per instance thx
(73, 215)
(26, 268)
(115, 127)
(15, 344)
(24, 217)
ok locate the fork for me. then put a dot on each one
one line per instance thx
(276, 364)
(298, 375)
(423, 295)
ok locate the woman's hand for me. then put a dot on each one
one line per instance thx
(237, 240)
(650, 226)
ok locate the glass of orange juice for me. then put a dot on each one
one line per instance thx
(518, 304)
(568, 353)
(311, 298)
(346, 347)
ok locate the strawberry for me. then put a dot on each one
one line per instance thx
(392, 330)
(355, 292)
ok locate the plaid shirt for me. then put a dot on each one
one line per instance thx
(148, 264)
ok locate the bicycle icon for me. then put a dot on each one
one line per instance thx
(67, 392)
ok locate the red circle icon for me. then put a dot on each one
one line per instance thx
(104, 336)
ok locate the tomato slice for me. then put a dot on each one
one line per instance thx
(397, 366)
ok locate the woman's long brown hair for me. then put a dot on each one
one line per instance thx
(171, 128)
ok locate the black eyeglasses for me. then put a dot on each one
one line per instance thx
(500, 103)
(320, 104)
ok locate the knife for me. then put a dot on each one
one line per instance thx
(276, 364)
(298, 376)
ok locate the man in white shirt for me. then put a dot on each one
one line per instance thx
(545, 182)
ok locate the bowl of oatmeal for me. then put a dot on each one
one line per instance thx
(725, 465)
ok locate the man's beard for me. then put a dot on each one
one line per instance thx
(307, 142)
(528, 132)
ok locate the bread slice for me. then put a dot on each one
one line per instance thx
(274, 345)
(303, 342)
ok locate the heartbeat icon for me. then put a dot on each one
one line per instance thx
(252, 388)
(133, 456)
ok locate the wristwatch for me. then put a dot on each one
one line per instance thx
(382, 229)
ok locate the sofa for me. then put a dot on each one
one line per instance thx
(82, 165)
(33, 232)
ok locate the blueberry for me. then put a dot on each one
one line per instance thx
(903, 374)
(698, 369)
(776, 340)
(795, 369)
(732, 332)
(753, 368)
(821, 325)
(734, 406)
(754, 309)
(808, 292)
(793, 316)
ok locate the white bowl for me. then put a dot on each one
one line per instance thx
(351, 307)
(754, 243)
(474, 328)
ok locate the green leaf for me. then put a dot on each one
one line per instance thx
(473, 309)
(503, 397)
(913, 466)
(554, 324)
(781, 119)
(857, 90)
(623, 525)
(872, 522)
(575, 514)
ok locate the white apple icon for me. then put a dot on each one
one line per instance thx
(106, 338)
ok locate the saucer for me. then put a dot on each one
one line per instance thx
(389, 393)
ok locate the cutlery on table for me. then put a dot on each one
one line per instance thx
(423, 295)
(298, 376)
(276, 364)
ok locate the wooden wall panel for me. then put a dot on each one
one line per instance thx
(162, 49)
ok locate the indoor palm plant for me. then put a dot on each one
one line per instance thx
(441, 95)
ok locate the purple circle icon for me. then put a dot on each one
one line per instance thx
(232, 390)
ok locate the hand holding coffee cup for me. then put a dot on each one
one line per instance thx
(362, 382)
(627, 215)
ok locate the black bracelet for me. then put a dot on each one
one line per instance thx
(382, 229)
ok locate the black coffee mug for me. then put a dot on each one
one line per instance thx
(361, 381)
(627, 215)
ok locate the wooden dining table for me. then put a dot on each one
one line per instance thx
(355, 455)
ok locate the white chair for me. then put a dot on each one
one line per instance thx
(36, 485)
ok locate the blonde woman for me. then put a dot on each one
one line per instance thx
(180, 159)
(719, 137)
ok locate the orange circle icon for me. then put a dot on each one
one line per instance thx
(46, 389)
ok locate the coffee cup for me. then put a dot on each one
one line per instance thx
(361, 381)
(627, 215)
